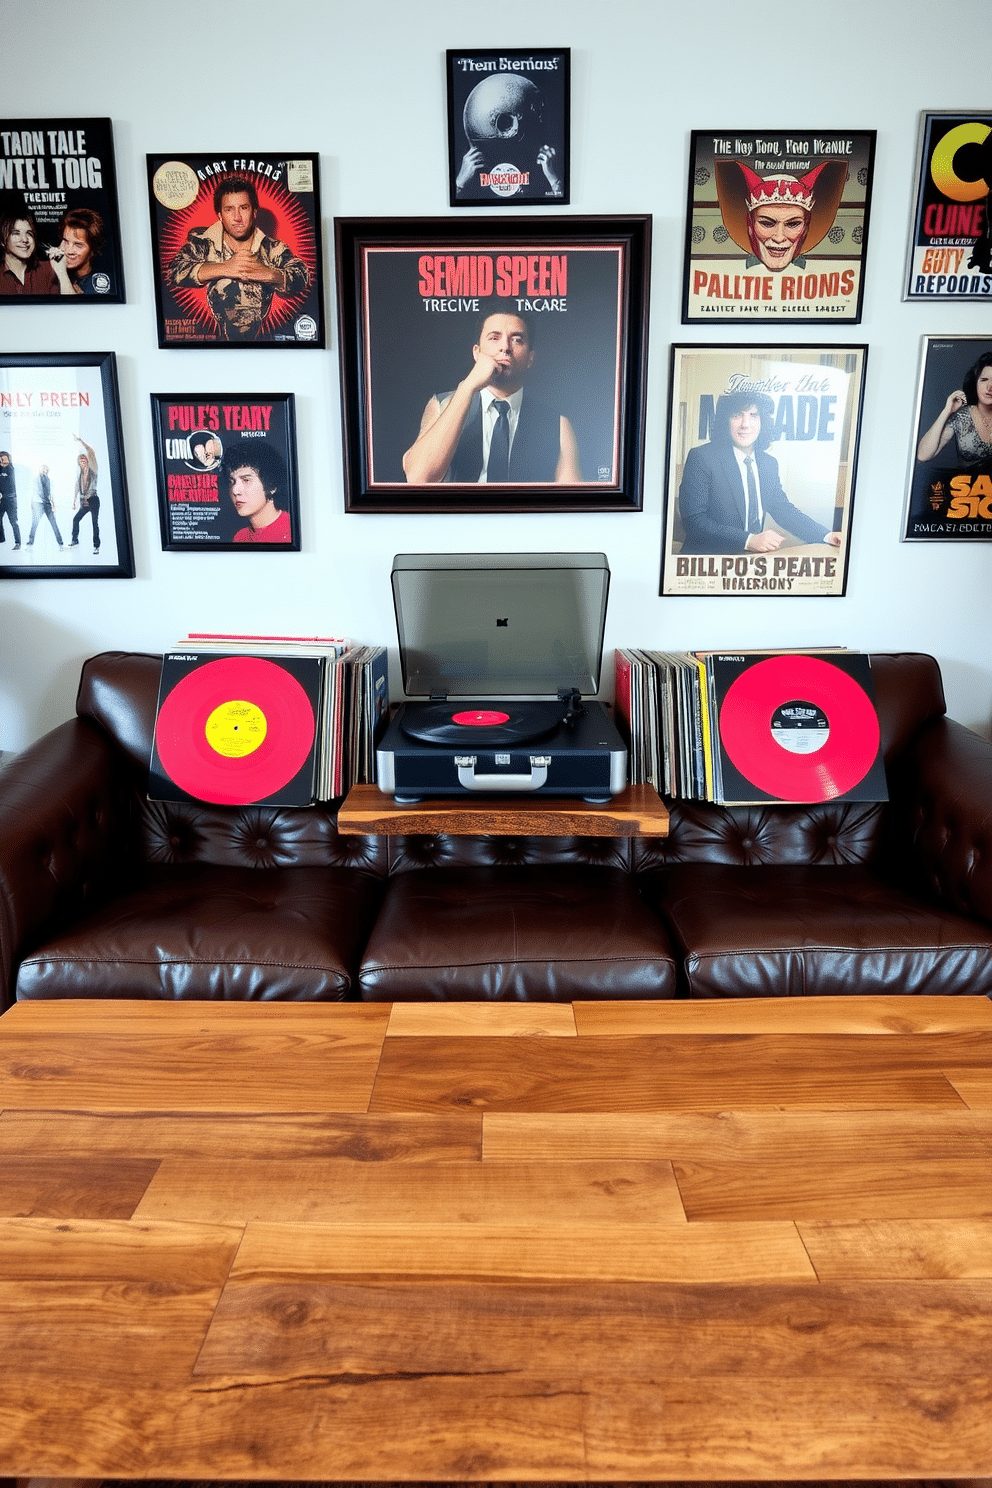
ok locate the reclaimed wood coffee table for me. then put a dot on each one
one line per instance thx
(613, 1241)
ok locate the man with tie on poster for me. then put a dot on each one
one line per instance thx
(730, 485)
(488, 429)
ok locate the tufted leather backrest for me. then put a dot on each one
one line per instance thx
(119, 690)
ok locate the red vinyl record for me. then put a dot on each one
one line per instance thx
(798, 728)
(235, 730)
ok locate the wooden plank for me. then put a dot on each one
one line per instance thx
(421, 1196)
(205, 1064)
(548, 1249)
(122, 1332)
(636, 811)
(481, 1020)
(298, 1429)
(59, 1016)
(889, 1014)
(768, 1137)
(953, 1250)
(376, 1326)
(118, 1251)
(73, 1187)
(690, 1072)
(876, 1187)
(974, 1087)
(449, 1137)
(749, 1427)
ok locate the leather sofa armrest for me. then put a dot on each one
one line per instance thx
(64, 831)
(941, 792)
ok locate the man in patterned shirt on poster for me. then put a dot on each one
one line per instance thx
(241, 268)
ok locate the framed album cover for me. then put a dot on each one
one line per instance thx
(949, 494)
(237, 250)
(508, 128)
(63, 493)
(60, 233)
(227, 471)
(776, 225)
(950, 247)
(762, 456)
(493, 365)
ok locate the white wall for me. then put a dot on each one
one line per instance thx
(364, 85)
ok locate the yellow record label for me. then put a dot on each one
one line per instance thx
(236, 728)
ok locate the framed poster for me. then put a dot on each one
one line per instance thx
(950, 248)
(530, 335)
(762, 454)
(60, 231)
(949, 495)
(777, 225)
(63, 492)
(237, 250)
(227, 471)
(508, 128)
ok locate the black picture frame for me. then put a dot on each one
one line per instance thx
(201, 441)
(950, 239)
(61, 174)
(55, 410)
(949, 487)
(809, 400)
(509, 127)
(285, 235)
(809, 273)
(411, 293)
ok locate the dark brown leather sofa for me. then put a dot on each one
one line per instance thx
(105, 894)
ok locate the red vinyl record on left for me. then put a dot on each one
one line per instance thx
(235, 730)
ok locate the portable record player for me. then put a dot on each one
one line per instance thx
(501, 649)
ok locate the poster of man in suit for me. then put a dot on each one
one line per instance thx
(762, 452)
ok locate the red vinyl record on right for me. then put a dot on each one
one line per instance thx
(799, 728)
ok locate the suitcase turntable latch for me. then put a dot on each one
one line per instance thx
(469, 780)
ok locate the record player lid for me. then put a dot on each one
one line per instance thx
(500, 624)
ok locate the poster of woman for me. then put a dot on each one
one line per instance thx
(949, 495)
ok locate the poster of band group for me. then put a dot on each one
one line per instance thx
(59, 228)
(777, 225)
(761, 467)
(950, 250)
(444, 333)
(236, 243)
(226, 467)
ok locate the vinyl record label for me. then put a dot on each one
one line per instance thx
(235, 730)
(775, 706)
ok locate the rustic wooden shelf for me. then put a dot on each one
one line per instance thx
(638, 811)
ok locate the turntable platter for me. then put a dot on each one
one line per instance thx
(483, 725)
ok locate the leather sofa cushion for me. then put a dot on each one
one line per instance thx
(196, 931)
(515, 934)
(814, 932)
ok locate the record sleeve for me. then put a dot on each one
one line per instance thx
(795, 727)
(237, 730)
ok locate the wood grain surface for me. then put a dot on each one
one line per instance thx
(467, 1243)
(636, 811)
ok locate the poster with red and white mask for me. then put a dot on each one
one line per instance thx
(777, 226)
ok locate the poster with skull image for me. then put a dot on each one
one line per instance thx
(508, 128)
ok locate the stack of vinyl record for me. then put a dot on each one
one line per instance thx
(744, 728)
(266, 720)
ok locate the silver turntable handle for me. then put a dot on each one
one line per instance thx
(467, 777)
